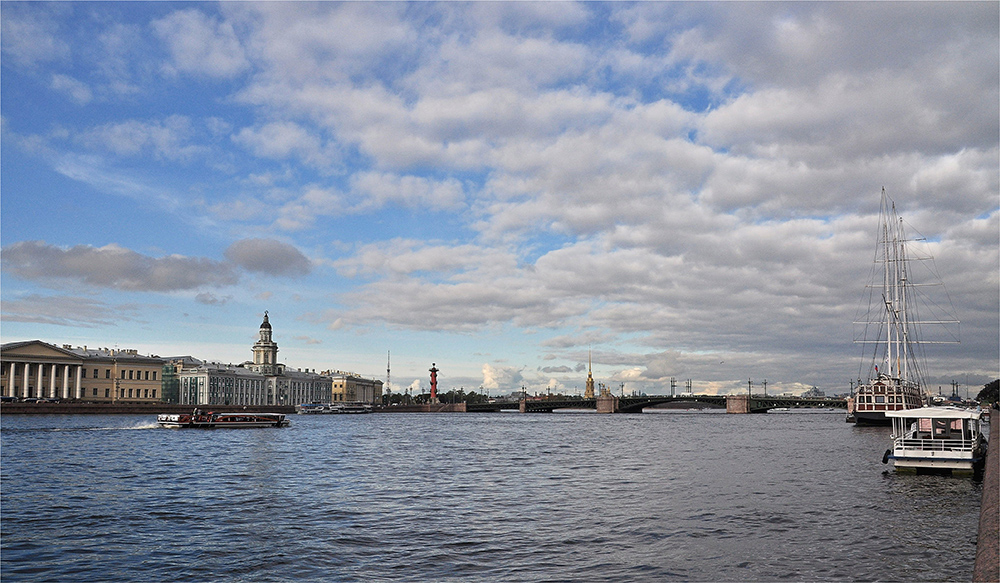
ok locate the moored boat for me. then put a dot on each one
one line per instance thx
(212, 420)
(936, 440)
(891, 326)
(333, 408)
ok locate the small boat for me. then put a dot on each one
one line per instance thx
(212, 420)
(936, 440)
(332, 408)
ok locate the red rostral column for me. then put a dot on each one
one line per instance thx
(434, 383)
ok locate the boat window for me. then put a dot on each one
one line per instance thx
(879, 399)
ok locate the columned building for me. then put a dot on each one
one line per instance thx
(38, 370)
(262, 381)
(349, 387)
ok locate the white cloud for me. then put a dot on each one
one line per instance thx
(201, 45)
(77, 91)
(31, 37)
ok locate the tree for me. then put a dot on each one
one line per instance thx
(990, 393)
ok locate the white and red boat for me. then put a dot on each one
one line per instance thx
(212, 420)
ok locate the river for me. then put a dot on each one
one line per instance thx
(666, 496)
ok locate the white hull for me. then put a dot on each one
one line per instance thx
(937, 439)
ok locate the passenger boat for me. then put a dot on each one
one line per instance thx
(211, 420)
(894, 375)
(332, 408)
(936, 440)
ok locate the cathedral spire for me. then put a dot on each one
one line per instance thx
(588, 393)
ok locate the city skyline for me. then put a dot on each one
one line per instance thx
(682, 190)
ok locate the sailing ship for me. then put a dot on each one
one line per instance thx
(891, 326)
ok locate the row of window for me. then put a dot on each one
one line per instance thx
(879, 399)
(132, 375)
(124, 393)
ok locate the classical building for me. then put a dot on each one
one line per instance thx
(262, 381)
(36, 369)
(351, 387)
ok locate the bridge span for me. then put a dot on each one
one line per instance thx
(612, 404)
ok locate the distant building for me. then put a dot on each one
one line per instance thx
(262, 381)
(351, 387)
(813, 393)
(36, 369)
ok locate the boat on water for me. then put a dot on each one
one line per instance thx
(937, 440)
(212, 420)
(892, 327)
(333, 408)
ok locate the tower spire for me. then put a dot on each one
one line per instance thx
(588, 393)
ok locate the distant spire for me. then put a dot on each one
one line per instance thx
(588, 392)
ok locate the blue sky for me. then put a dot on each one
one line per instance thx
(687, 190)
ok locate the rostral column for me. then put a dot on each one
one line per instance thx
(434, 382)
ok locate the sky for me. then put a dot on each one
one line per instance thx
(509, 191)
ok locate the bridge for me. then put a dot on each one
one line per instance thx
(611, 404)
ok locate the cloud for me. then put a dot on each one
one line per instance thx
(77, 91)
(30, 36)
(503, 378)
(269, 256)
(167, 138)
(281, 140)
(210, 299)
(72, 311)
(201, 45)
(308, 340)
(113, 267)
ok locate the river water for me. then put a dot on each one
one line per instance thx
(671, 496)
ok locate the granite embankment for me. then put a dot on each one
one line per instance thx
(129, 408)
(988, 547)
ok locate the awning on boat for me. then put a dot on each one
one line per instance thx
(936, 412)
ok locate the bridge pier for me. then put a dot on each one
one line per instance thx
(737, 403)
(607, 404)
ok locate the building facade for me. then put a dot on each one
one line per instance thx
(350, 387)
(38, 370)
(262, 381)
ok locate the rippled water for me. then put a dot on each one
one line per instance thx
(475, 497)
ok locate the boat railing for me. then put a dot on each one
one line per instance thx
(936, 444)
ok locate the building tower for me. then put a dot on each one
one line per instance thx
(434, 382)
(588, 393)
(265, 351)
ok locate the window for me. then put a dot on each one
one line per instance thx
(107, 373)
(154, 391)
(107, 393)
(147, 375)
(130, 393)
(95, 373)
(879, 399)
(130, 375)
(147, 393)
(123, 375)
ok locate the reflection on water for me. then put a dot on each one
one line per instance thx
(670, 495)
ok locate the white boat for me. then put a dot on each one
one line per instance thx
(891, 327)
(212, 420)
(936, 439)
(333, 408)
